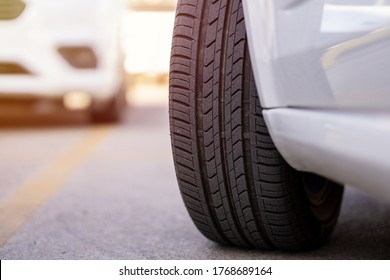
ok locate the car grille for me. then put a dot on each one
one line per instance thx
(9, 68)
(11, 9)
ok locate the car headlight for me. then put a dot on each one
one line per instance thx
(80, 57)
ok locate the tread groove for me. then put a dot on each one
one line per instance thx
(222, 139)
(199, 125)
(248, 166)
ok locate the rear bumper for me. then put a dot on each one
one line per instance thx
(351, 148)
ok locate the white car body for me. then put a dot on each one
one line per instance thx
(322, 69)
(32, 41)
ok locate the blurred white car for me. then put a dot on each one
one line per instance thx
(275, 105)
(67, 49)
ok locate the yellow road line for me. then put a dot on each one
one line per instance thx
(17, 208)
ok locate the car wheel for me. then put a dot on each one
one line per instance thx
(235, 185)
(111, 111)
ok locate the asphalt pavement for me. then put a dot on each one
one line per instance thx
(70, 190)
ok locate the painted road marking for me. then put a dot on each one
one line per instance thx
(17, 208)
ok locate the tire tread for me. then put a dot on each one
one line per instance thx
(235, 184)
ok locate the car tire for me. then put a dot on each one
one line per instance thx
(235, 185)
(111, 111)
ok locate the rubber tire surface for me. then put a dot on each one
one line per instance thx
(236, 186)
(113, 109)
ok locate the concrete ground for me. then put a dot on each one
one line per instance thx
(70, 190)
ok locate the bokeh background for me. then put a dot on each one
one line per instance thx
(145, 39)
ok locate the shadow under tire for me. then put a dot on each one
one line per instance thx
(235, 185)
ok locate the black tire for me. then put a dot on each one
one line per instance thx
(236, 186)
(112, 110)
